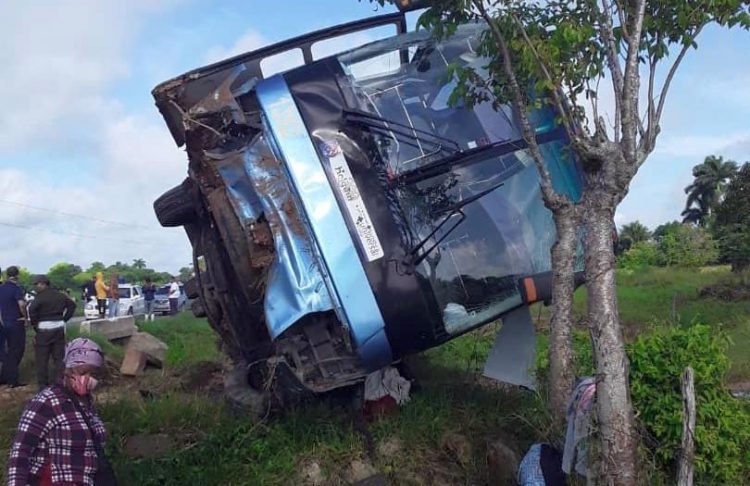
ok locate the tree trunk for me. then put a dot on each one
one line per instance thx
(618, 444)
(561, 325)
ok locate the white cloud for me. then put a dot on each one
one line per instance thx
(697, 146)
(59, 58)
(249, 41)
(61, 61)
(252, 40)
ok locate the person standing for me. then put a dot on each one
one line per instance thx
(101, 290)
(60, 438)
(48, 312)
(174, 296)
(113, 303)
(13, 315)
(149, 293)
(88, 291)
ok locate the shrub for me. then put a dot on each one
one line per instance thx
(687, 246)
(641, 254)
(657, 360)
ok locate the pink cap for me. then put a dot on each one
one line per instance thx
(83, 351)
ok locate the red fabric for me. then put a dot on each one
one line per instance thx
(374, 409)
(45, 475)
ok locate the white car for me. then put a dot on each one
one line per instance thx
(131, 302)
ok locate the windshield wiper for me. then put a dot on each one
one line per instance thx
(406, 133)
(411, 260)
(478, 154)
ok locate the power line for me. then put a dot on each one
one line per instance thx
(90, 218)
(77, 235)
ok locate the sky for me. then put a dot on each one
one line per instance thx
(84, 152)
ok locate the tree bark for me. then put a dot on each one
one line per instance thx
(618, 444)
(561, 324)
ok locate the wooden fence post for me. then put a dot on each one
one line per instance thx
(687, 453)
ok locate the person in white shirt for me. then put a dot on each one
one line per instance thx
(174, 296)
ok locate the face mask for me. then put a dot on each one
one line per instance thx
(83, 384)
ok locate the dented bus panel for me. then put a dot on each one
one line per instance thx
(348, 212)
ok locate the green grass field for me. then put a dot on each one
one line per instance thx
(668, 296)
(213, 445)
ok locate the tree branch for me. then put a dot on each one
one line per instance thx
(650, 126)
(631, 83)
(623, 22)
(607, 34)
(551, 197)
(571, 126)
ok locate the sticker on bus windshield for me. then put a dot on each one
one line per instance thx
(355, 206)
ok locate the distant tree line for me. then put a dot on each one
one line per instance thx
(715, 226)
(70, 276)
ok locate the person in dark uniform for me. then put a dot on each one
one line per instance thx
(48, 313)
(13, 318)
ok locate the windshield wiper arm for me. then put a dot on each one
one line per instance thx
(378, 122)
(478, 154)
(412, 260)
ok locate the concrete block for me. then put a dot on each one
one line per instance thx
(134, 363)
(154, 349)
(115, 328)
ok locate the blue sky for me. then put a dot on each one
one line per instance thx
(79, 133)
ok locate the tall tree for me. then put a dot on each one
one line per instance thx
(186, 273)
(633, 233)
(707, 189)
(61, 275)
(139, 264)
(732, 227)
(664, 229)
(96, 267)
(569, 51)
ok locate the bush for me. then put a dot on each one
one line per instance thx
(657, 360)
(641, 254)
(687, 246)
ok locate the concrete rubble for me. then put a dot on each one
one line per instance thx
(133, 363)
(154, 349)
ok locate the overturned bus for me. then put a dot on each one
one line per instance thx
(345, 213)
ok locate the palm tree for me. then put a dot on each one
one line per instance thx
(710, 180)
(695, 215)
(632, 233)
(139, 263)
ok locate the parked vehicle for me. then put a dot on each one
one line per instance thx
(161, 300)
(131, 302)
(344, 214)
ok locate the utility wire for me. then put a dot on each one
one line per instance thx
(90, 218)
(77, 235)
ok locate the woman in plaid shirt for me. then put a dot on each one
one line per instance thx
(55, 443)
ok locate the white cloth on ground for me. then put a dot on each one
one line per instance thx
(387, 381)
(580, 427)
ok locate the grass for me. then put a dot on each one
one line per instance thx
(663, 296)
(214, 445)
(190, 340)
